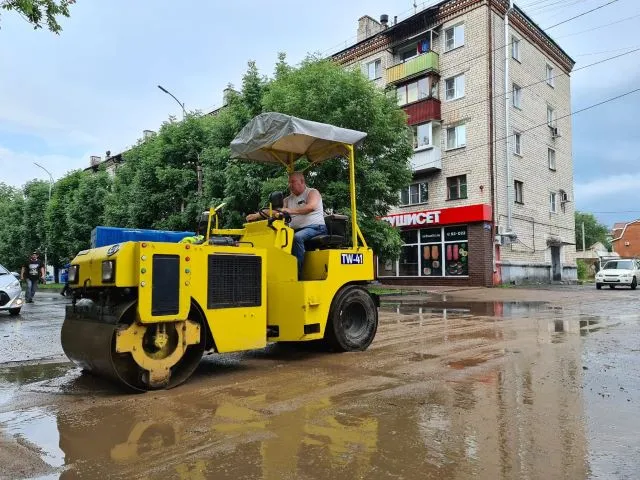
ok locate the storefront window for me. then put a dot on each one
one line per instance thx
(431, 252)
(408, 264)
(431, 260)
(387, 268)
(456, 251)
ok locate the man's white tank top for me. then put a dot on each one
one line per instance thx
(316, 217)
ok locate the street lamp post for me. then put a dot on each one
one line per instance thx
(184, 113)
(46, 240)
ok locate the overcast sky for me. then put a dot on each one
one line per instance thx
(93, 88)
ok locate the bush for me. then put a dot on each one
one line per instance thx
(583, 270)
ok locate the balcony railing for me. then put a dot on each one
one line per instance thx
(428, 160)
(426, 62)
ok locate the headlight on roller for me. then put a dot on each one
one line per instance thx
(108, 271)
(73, 274)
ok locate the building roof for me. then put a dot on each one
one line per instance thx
(521, 20)
(618, 226)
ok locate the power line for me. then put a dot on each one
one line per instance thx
(545, 80)
(606, 51)
(522, 132)
(580, 15)
(600, 26)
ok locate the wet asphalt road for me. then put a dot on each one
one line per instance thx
(502, 383)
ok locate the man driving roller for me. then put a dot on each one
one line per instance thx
(304, 204)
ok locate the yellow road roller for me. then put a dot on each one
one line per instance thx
(144, 313)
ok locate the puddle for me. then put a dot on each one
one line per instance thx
(36, 430)
(30, 373)
(420, 305)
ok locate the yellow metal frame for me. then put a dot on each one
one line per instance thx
(288, 310)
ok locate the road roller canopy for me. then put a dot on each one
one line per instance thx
(276, 138)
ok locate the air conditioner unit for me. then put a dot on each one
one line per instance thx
(564, 197)
(626, 244)
(500, 229)
(554, 132)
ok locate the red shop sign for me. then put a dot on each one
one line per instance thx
(445, 216)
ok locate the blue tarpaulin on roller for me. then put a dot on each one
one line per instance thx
(102, 236)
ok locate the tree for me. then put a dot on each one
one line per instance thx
(593, 230)
(157, 186)
(11, 227)
(40, 12)
(322, 91)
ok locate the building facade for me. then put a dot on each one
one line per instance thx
(491, 199)
(626, 239)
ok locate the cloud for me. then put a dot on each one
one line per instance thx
(18, 167)
(607, 188)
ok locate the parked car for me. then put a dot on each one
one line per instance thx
(625, 271)
(11, 297)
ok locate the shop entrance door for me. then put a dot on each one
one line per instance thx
(556, 268)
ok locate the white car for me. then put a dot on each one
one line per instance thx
(11, 297)
(619, 272)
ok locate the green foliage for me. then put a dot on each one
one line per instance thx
(40, 13)
(583, 269)
(593, 231)
(11, 227)
(157, 186)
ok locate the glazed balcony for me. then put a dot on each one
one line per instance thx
(424, 63)
(427, 160)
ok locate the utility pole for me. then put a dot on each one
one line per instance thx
(583, 240)
(46, 240)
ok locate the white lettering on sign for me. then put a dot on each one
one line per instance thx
(351, 258)
(411, 219)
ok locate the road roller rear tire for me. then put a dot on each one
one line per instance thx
(353, 320)
(118, 352)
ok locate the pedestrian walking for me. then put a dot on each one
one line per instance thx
(32, 272)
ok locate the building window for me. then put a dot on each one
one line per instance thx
(431, 252)
(454, 87)
(414, 194)
(412, 92)
(518, 188)
(550, 76)
(374, 69)
(553, 202)
(454, 37)
(551, 116)
(457, 187)
(456, 136)
(517, 96)
(515, 48)
(421, 135)
(551, 155)
(517, 143)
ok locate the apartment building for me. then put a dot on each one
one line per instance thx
(491, 197)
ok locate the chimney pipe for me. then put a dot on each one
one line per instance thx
(395, 19)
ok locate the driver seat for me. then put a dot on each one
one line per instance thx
(336, 232)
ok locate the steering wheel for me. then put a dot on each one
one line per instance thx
(281, 215)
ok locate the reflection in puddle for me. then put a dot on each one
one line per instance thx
(38, 430)
(460, 308)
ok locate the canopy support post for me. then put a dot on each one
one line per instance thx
(352, 190)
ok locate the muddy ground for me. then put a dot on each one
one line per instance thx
(473, 383)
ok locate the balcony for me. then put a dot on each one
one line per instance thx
(427, 62)
(423, 111)
(427, 161)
